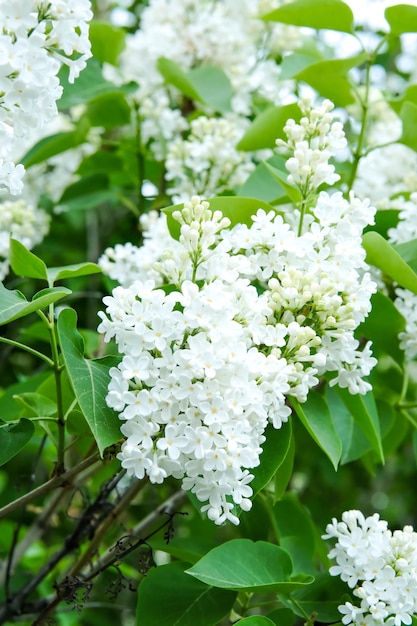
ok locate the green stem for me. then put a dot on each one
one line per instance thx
(60, 420)
(364, 102)
(411, 419)
(302, 214)
(22, 346)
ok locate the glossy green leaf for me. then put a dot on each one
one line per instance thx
(408, 116)
(402, 18)
(25, 263)
(89, 84)
(293, 64)
(381, 254)
(315, 416)
(408, 252)
(14, 305)
(320, 599)
(330, 78)
(282, 617)
(244, 565)
(14, 437)
(354, 443)
(274, 452)
(239, 210)
(382, 326)
(48, 147)
(318, 14)
(73, 271)
(109, 110)
(176, 76)
(256, 620)
(267, 127)
(364, 412)
(86, 186)
(262, 184)
(296, 533)
(37, 404)
(169, 597)
(282, 177)
(284, 472)
(213, 87)
(107, 41)
(90, 379)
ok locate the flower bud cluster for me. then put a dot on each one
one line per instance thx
(37, 38)
(379, 565)
(312, 142)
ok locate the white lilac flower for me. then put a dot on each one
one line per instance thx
(193, 33)
(379, 565)
(215, 359)
(37, 38)
(207, 162)
(21, 221)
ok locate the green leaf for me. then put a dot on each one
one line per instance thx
(72, 271)
(330, 78)
(315, 417)
(107, 41)
(282, 177)
(267, 127)
(408, 252)
(282, 617)
(25, 263)
(244, 565)
(37, 404)
(354, 442)
(262, 184)
(296, 533)
(175, 75)
(318, 14)
(293, 64)
(14, 305)
(320, 599)
(87, 186)
(381, 254)
(239, 210)
(90, 379)
(256, 620)
(284, 472)
(213, 87)
(53, 145)
(382, 326)
(408, 115)
(169, 597)
(14, 437)
(402, 18)
(274, 452)
(364, 412)
(88, 85)
(109, 110)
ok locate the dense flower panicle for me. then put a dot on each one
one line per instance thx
(37, 39)
(227, 35)
(205, 367)
(127, 262)
(379, 565)
(207, 162)
(312, 142)
(21, 221)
